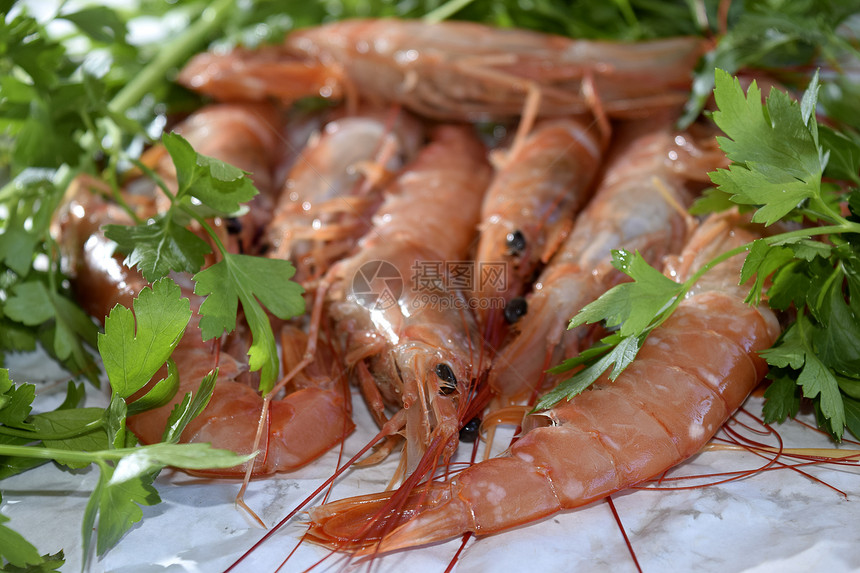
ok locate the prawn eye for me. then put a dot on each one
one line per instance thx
(469, 432)
(444, 372)
(234, 225)
(516, 308)
(516, 242)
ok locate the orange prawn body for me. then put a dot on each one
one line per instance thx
(691, 374)
(418, 341)
(454, 70)
(529, 208)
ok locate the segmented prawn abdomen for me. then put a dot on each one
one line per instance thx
(691, 374)
(304, 426)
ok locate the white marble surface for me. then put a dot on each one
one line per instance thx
(777, 520)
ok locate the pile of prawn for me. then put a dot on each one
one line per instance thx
(442, 267)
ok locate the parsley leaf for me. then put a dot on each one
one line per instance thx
(135, 346)
(15, 402)
(761, 262)
(80, 427)
(795, 351)
(33, 304)
(777, 161)
(190, 407)
(117, 498)
(619, 357)
(852, 415)
(633, 305)
(159, 246)
(123, 488)
(638, 307)
(249, 280)
(218, 185)
(844, 154)
(782, 398)
(15, 549)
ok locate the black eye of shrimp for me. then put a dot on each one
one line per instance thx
(516, 242)
(444, 372)
(469, 432)
(516, 309)
(234, 226)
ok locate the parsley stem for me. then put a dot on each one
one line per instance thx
(63, 455)
(211, 232)
(846, 227)
(445, 11)
(31, 435)
(171, 55)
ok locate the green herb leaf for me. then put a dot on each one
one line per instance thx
(33, 304)
(761, 261)
(249, 279)
(185, 456)
(49, 564)
(132, 355)
(852, 416)
(82, 425)
(120, 498)
(15, 549)
(99, 23)
(777, 163)
(159, 247)
(844, 154)
(619, 358)
(160, 394)
(633, 305)
(712, 200)
(15, 402)
(217, 184)
(795, 351)
(190, 407)
(782, 399)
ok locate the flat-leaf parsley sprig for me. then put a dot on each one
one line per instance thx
(780, 159)
(133, 347)
(208, 187)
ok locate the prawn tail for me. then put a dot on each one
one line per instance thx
(299, 428)
(305, 425)
(257, 75)
(485, 498)
(359, 524)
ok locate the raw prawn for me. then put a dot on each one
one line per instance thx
(327, 201)
(639, 205)
(454, 70)
(528, 211)
(689, 377)
(418, 341)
